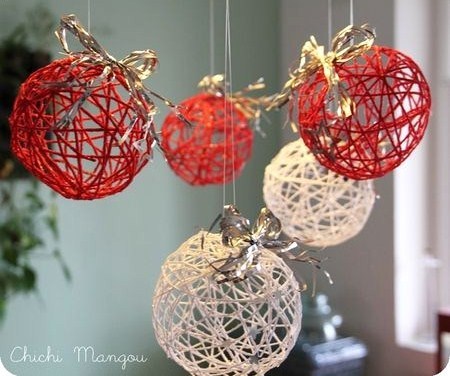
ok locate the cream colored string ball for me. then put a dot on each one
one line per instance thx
(314, 204)
(225, 329)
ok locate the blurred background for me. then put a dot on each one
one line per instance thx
(384, 288)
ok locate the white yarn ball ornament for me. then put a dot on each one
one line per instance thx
(228, 329)
(314, 204)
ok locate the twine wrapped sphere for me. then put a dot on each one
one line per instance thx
(196, 154)
(81, 158)
(392, 107)
(227, 329)
(314, 204)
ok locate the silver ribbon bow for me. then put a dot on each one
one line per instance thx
(251, 241)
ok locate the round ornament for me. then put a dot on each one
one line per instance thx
(314, 204)
(231, 328)
(392, 102)
(217, 145)
(68, 127)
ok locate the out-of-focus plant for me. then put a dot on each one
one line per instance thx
(28, 224)
(27, 221)
(21, 53)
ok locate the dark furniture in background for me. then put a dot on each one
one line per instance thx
(443, 326)
(320, 350)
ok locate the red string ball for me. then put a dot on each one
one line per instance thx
(392, 107)
(82, 158)
(196, 153)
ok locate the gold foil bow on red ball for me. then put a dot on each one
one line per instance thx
(345, 46)
(135, 67)
(250, 107)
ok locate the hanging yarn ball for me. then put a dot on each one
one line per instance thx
(217, 145)
(392, 106)
(314, 204)
(67, 125)
(225, 329)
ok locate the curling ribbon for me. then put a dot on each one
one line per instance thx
(313, 58)
(251, 241)
(250, 107)
(95, 54)
(135, 67)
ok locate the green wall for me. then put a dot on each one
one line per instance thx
(115, 246)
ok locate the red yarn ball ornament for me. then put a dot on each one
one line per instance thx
(392, 107)
(197, 153)
(81, 158)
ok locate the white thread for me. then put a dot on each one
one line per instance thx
(352, 12)
(212, 48)
(89, 16)
(225, 109)
(229, 94)
(228, 107)
(330, 23)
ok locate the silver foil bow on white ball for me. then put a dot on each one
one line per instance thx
(250, 241)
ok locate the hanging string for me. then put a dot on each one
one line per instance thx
(225, 130)
(89, 16)
(230, 97)
(228, 110)
(352, 12)
(330, 23)
(211, 37)
(333, 105)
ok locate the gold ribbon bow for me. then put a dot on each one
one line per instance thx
(313, 57)
(94, 53)
(250, 107)
(237, 232)
(135, 67)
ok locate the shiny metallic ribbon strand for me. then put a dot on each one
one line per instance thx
(237, 233)
(250, 107)
(135, 67)
(313, 58)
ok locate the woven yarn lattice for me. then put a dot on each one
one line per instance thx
(196, 154)
(228, 329)
(81, 159)
(314, 204)
(393, 102)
